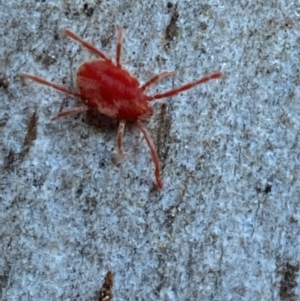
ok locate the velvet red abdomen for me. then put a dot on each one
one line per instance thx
(111, 90)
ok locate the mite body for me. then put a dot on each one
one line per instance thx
(115, 92)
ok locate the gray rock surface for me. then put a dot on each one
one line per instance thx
(226, 224)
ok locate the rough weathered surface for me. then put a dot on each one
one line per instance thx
(226, 224)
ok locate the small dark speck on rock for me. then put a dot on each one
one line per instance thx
(268, 188)
(288, 282)
(169, 5)
(104, 41)
(203, 26)
(79, 192)
(172, 28)
(3, 120)
(3, 81)
(88, 10)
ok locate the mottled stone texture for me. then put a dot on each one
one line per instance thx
(226, 224)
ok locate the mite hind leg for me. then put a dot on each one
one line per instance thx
(120, 139)
(70, 112)
(58, 88)
(153, 154)
(49, 84)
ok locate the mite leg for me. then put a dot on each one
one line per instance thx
(86, 44)
(153, 154)
(49, 84)
(120, 138)
(186, 86)
(70, 112)
(119, 46)
(156, 78)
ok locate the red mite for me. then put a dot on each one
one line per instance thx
(115, 92)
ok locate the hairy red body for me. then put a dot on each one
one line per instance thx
(112, 90)
(115, 92)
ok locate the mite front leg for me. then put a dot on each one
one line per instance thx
(87, 45)
(185, 87)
